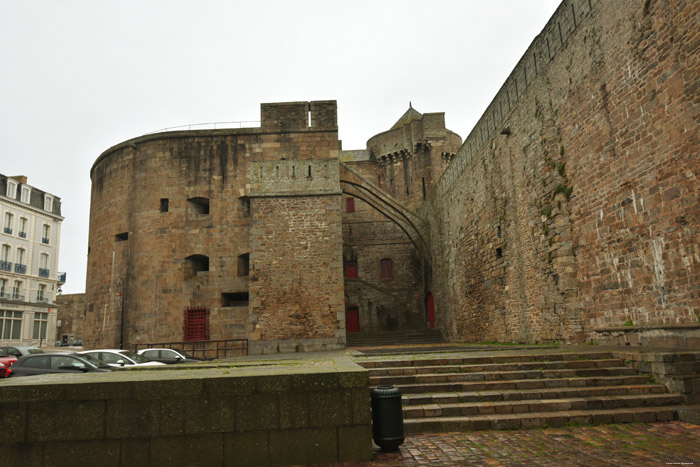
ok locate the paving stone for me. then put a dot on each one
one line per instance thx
(626, 445)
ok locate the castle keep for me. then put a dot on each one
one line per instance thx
(572, 207)
(248, 234)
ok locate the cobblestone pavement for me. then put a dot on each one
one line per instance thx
(634, 444)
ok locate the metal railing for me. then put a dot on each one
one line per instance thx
(45, 240)
(8, 230)
(5, 266)
(207, 126)
(206, 350)
(20, 268)
(23, 235)
(62, 277)
(43, 272)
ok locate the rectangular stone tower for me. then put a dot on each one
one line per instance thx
(296, 274)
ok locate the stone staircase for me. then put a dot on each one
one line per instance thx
(406, 337)
(526, 389)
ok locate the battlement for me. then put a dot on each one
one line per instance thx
(295, 116)
(294, 177)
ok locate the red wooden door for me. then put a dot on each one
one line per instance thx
(430, 305)
(352, 319)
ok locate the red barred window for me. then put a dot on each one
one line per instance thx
(196, 326)
(350, 205)
(386, 269)
(351, 269)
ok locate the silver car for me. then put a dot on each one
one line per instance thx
(120, 358)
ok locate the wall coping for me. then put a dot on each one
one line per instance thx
(647, 328)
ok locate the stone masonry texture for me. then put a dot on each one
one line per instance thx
(276, 413)
(572, 206)
(574, 203)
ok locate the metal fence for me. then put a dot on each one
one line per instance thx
(209, 126)
(206, 350)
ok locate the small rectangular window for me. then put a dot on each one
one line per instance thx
(350, 205)
(23, 227)
(234, 299)
(351, 269)
(9, 218)
(41, 294)
(5, 253)
(11, 189)
(16, 291)
(386, 267)
(26, 194)
(48, 203)
(121, 237)
(164, 204)
(45, 234)
(196, 326)
(44, 265)
(243, 265)
(40, 321)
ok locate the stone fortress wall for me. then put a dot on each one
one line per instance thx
(572, 206)
(184, 219)
(573, 203)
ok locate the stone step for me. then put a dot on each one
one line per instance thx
(499, 376)
(524, 395)
(517, 366)
(541, 419)
(540, 405)
(521, 384)
(476, 360)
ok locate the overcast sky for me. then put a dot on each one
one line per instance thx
(77, 77)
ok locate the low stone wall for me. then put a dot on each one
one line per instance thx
(685, 336)
(267, 413)
(678, 370)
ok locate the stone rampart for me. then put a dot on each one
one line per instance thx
(227, 415)
(573, 203)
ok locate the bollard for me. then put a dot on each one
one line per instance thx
(387, 418)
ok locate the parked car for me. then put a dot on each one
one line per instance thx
(5, 371)
(57, 363)
(168, 356)
(119, 358)
(21, 350)
(7, 360)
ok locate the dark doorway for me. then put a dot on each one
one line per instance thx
(430, 310)
(352, 319)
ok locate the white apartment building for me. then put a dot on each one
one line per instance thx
(30, 231)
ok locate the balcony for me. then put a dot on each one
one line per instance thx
(8, 230)
(5, 266)
(42, 299)
(23, 235)
(43, 272)
(17, 296)
(5, 295)
(20, 268)
(44, 240)
(61, 278)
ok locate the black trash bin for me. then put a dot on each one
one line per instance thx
(387, 418)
